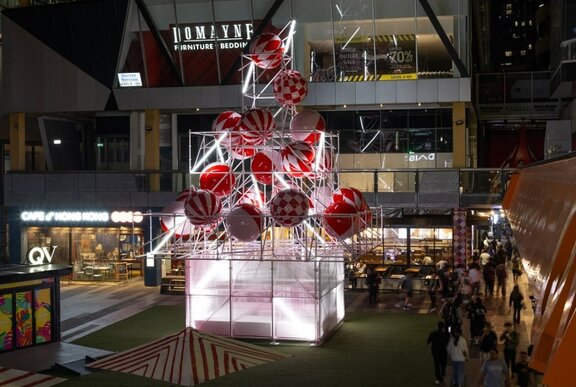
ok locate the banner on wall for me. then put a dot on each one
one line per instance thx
(390, 57)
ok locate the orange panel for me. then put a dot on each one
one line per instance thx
(560, 372)
(511, 190)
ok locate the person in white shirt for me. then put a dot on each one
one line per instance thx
(457, 349)
(485, 257)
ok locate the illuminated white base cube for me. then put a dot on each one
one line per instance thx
(278, 300)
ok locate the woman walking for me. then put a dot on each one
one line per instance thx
(458, 353)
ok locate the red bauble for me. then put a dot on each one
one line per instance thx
(351, 196)
(218, 178)
(340, 220)
(264, 164)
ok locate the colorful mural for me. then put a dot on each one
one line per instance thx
(43, 315)
(6, 333)
(24, 319)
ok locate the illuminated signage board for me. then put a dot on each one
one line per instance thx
(41, 255)
(129, 79)
(81, 217)
(206, 36)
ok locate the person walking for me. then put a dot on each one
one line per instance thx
(489, 273)
(438, 341)
(501, 279)
(408, 287)
(457, 350)
(522, 374)
(434, 286)
(516, 302)
(510, 339)
(488, 341)
(494, 372)
(477, 316)
(373, 282)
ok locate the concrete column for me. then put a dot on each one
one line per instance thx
(152, 147)
(17, 142)
(459, 135)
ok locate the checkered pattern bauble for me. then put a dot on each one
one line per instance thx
(289, 207)
(290, 88)
(266, 51)
(245, 222)
(351, 196)
(307, 126)
(202, 207)
(297, 158)
(218, 178)
(256, 126)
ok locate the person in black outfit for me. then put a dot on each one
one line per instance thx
(438, 340)
(477, 316)
(523, 375)
(516, 302)
(373, 282)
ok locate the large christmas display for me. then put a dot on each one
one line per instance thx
(264, 228)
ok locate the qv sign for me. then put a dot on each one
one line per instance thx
(41, 255)
(420, 157)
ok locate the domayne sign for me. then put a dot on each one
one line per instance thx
(208, 36)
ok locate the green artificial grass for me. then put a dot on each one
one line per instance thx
(146, 326)
(369, 349)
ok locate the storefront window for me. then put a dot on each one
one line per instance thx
(415, 245)
(93, 252)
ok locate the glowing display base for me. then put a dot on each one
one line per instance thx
(277, 300)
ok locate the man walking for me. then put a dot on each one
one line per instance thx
(437, 341)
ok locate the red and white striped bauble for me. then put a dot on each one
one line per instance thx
(266, 50)
(289, 207)
(297, 158)
(349, 195)
(244, 222)
(251, 197)
(228, 121)
(173, 218)
(218, 178)
(256, 126)
(340, 220)
(307, 126)
(365, 217)
(264, 164)
(289, 87)
(202, 208)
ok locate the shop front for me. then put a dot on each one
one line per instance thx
(100, 246)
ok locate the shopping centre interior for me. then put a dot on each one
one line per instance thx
(443, 123)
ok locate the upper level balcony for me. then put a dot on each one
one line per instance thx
(414, 189)
(563, 78)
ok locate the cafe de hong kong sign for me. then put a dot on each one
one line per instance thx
(208, 36)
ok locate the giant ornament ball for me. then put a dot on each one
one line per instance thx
(351, 196)
(289, 87)
(256, 126)
(340, 220)
(298, 158)
(218, 178)
(289, 207)
(202, 207)
(307, 126)
(173, 217)
(266, 51)
(244, 222)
